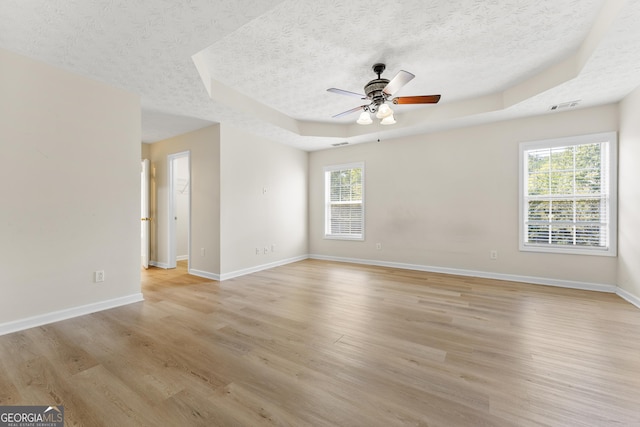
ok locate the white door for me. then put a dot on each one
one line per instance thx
(179, 188)
(144, 213)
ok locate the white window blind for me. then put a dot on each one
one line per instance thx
(568, 195)
(344, 201)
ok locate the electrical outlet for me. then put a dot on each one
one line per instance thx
(98, 276)
(257, 251)
(379, 246)
(493, 254)
(266, 250)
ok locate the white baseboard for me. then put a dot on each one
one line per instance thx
(56, 316)
(182, 258)
(482, 274)
(192, 271)
(159, 264)
(628, 297)
(204, 274)
(243, 272)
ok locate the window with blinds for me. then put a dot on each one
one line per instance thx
(344, 201)
(568, 195)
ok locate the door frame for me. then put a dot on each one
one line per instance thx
(171, 241)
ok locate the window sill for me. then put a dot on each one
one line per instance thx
(351, 238)
(611, 252)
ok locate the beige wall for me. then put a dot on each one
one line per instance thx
(629, 196)
(204, 148)
(145, 151)
(71, 196)
(446, 199)
(70, 191)
(251, 218)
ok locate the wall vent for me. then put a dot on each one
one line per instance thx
(564, 105)
(340, 144)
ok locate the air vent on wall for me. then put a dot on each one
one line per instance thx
(564, 105)
(340, 144)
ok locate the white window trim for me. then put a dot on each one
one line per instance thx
(611, 138)
(327, 215)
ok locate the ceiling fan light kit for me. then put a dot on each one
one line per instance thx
(384, 111)
(378, 92)
(364, 119)
(389, 120)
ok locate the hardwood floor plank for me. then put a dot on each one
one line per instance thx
(61, 350)
(114, 402)
(9, 394)
(319, 343)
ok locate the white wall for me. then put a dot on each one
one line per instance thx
(251, 218)
(204, 146)
(629, 196)
(70, 192)
(446, 199)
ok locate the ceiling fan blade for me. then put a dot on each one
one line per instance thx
(344, 113)
(346, 92)
(424, 99)
(400, 79)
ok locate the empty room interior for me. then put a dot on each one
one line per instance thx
(279, 212)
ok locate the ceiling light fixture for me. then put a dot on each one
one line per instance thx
(378, 107)
(384, 111)
(389, 120)
(364, 119)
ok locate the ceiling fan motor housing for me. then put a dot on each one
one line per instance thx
(373, 90)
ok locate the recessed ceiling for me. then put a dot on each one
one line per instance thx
(294, 52)
(266, 65)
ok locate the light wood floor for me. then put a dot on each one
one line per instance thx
(328, 344)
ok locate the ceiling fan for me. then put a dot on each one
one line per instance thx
(378, 92)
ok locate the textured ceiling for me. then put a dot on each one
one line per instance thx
(294, 52)
(265, 65)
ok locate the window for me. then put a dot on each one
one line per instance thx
(568, 195)
(344, 201)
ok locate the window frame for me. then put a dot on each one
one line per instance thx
(327, 200)
(610, 156)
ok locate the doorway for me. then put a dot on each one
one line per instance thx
(144, 213)
(179, 208)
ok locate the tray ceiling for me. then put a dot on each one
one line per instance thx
(265, 65)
